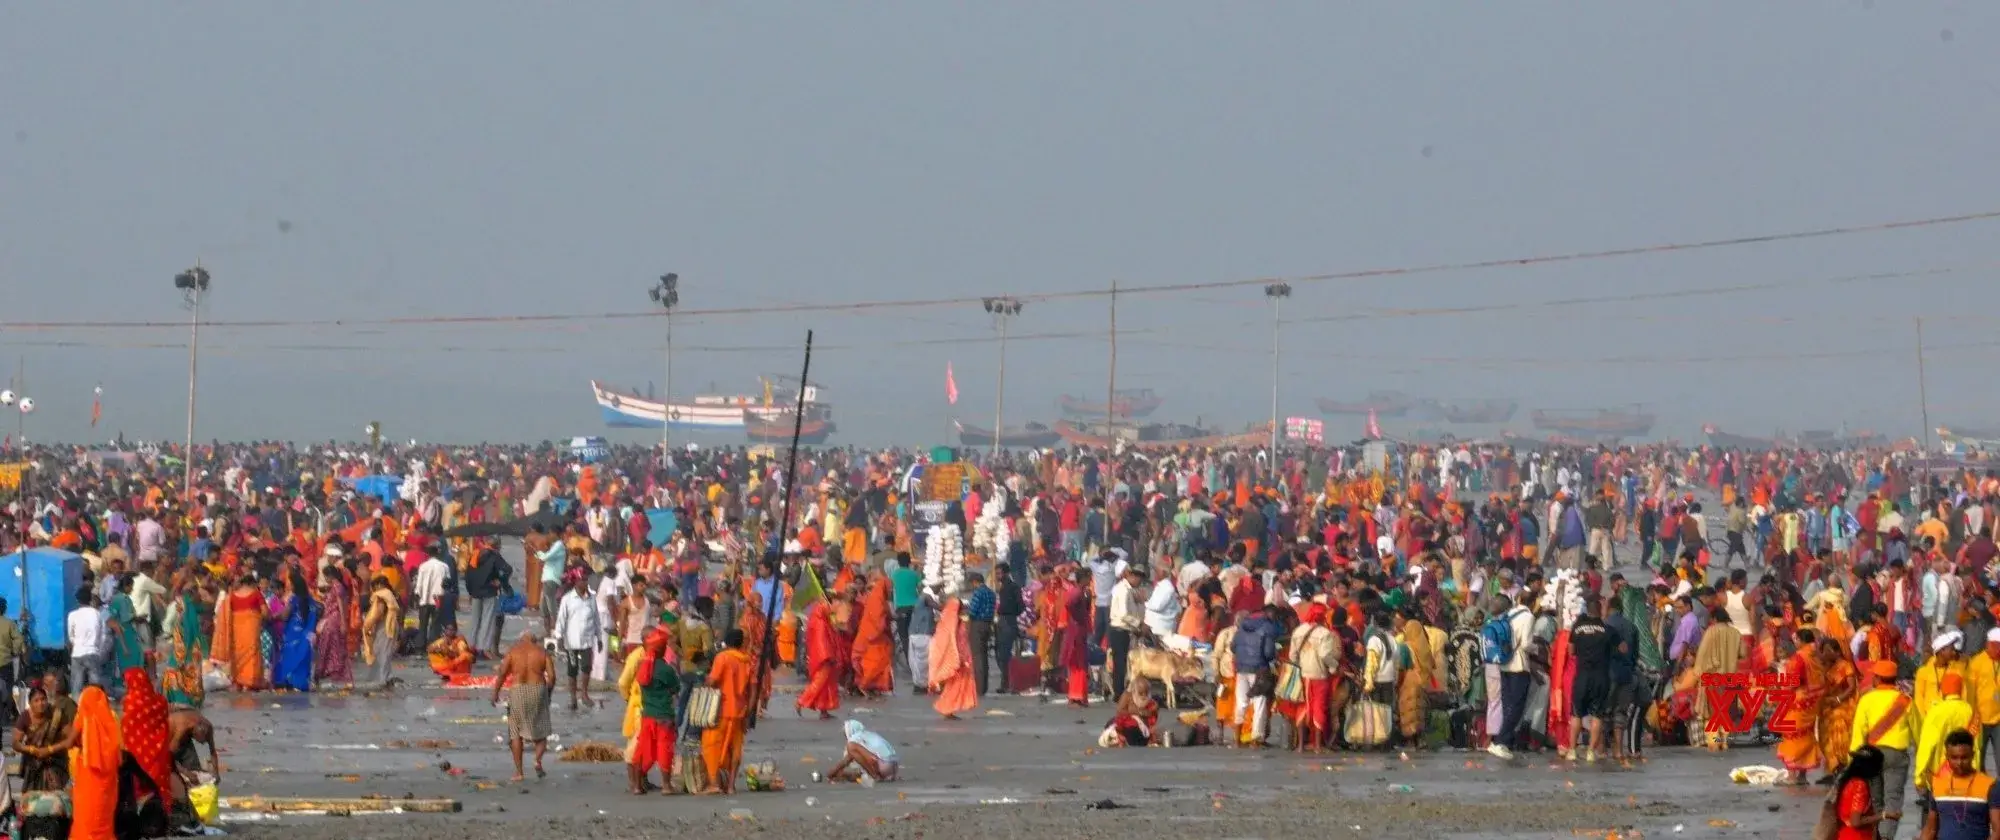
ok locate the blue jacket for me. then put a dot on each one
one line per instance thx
(1256, 645)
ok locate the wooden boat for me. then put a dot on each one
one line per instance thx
(1031, 436)
(1480, 411)
(1968, 440)
(1554, 441)
(778, 429)
(1599, 423)
(1137, 402)
(1159, 435)
(1381, 403)
(1810, 439)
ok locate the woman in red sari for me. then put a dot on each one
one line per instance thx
(1076, 636)
(754, 625)
(145, 730)
(825, 655)
(875, 642)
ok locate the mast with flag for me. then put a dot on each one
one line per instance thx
(96, 405)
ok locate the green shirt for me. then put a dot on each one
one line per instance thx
(904, 581)
(656, 698)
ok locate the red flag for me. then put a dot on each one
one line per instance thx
(1374, 428)
(950, 385)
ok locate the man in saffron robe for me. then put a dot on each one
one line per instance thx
(826, 655)
(450, 656)
(951, 664)
(875, 641)
(722, 744)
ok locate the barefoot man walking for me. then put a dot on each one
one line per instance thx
(534, 675)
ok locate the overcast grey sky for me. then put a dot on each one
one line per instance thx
(477, 157)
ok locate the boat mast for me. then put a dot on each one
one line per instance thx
(1111, 387)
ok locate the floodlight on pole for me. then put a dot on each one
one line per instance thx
(1002, 309)
(1277, 292)
(667, 295)
(193, 285)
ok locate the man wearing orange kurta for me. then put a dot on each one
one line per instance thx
(874, 643)
(722, 744)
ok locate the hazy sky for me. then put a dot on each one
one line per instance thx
(354, 161)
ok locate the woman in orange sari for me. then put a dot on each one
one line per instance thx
(951, 665)
(874, 644)
(239, 621)
(1800, 750)
(93, 767)
(1840, 692)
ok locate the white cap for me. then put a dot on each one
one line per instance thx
(1945, 640)
(1993, 635)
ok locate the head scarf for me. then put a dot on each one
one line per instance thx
(98, 744)
(145, 726)
(656, 649)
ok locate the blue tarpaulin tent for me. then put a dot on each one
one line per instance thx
(663, 522)
(385, 487)
(54, 576)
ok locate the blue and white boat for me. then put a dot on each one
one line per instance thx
(704, 413)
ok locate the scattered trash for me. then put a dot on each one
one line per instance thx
(485, 785)
(1772, 808)
(349, 778)
(1756, 774)
(248, 816)
(1104, 805)
(343, 747)
(479, 721)
(594, 752)
(998, 713)
(1679, 827)
(1719, 822)
(1402, 789)
(1006, 800)
(808, 760)
(863, 710)
(738, 814)
(867, 781)
(817, 777)
(812, 801)
(908, 816)
(1056, 791)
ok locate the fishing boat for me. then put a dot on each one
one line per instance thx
(1594, 423)
(1137, 402)
(1810, 439)
(1380, 403)
(1031, 436)
(1158, 435)
(1479, 411)
(724, 413)
(778, 429)
(1554, 441)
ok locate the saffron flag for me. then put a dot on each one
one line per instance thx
(1374, 428)
(96, 406)
(950, 385)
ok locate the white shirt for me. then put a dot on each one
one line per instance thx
(1163, 610)
(145, 593)
(85, 627)
(576, 622)
(149, 537)
(1124, 612)
(1522, 622)
(428, 589)
(1388, 664)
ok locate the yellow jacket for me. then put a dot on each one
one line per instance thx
(1871, 708)
(1926, 693)
(628, 688)
(1982, 688)
(1949, 715)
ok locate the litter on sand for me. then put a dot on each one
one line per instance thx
(1756, 774)
(592, 751)
(998, 713)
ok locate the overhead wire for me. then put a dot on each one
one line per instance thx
(1121, 289)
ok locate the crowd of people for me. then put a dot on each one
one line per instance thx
(1574, 601)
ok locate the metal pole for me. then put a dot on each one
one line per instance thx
(769, 649)
(1000, 399)
(1274, 386)
(194, 355)
(1111, 390)
(1923, 389)
(27, 483)
(667, 397)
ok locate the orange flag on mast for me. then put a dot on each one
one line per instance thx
(950, 385)
(96, 405)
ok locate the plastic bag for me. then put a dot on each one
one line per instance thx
(1756, 774)
(215, 677)
(207, 802)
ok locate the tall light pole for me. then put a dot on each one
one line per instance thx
(668, 295)
(1277, 292)
(193, 284)
(23, 406)
(1001, 308)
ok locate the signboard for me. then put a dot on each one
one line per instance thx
(944, 482)
(1305, 429)
(10, 475)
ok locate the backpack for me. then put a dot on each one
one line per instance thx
(1496, 641)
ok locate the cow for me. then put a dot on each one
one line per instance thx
(1167, 668)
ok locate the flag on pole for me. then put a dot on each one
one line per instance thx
(96, 405)
(807, 592)
(1374, 428)
(950, 385)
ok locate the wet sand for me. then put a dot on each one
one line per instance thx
(1015, 764)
